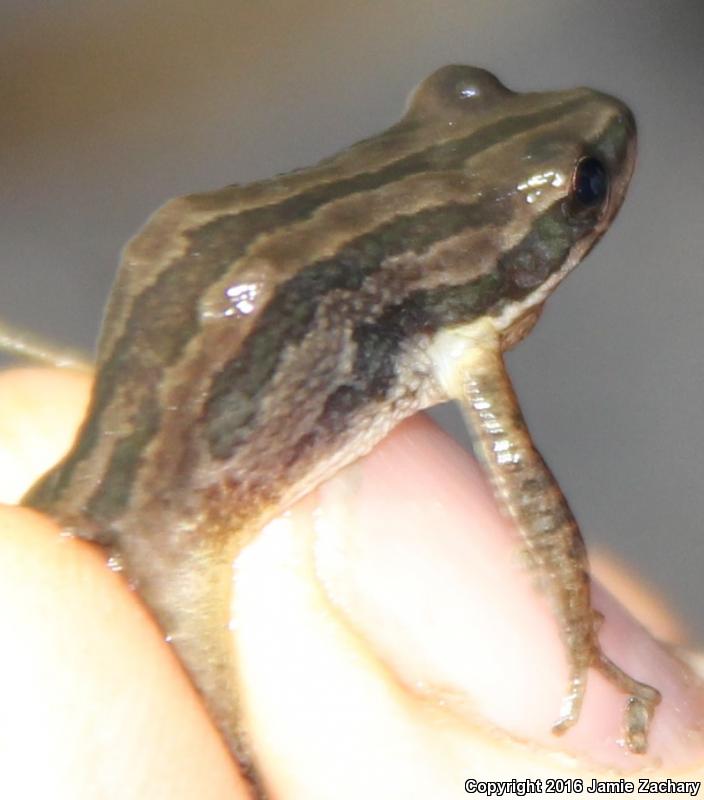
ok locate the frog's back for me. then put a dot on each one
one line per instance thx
(252, 329)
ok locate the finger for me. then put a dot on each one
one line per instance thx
(642, 600)
(387, 622)
(385, 520)
(40, 411)
(95, 704)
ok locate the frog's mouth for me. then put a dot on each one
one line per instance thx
(521, 327)
(517, 319)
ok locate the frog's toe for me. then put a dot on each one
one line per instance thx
(640, 707)
(571, 703)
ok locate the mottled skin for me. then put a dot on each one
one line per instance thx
(259, 337)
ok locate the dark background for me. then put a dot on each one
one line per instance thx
(109, 108)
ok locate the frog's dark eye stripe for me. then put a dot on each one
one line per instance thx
(590, 183)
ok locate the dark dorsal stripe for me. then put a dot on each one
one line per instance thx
(427, 310)
(152, 340)
(232, 401)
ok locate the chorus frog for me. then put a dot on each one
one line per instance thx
(260, 337)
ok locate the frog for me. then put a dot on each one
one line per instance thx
(260, 337)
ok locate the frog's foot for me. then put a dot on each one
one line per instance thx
(571, 702)
(640, 707)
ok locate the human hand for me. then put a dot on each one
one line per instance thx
(390, 644)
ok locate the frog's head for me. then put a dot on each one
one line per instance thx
(550, 171)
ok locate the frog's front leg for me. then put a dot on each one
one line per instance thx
(470, 366)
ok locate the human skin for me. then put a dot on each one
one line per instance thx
(390, 643)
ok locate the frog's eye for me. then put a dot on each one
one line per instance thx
(590, 183)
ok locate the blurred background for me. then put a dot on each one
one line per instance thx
(109, 108)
